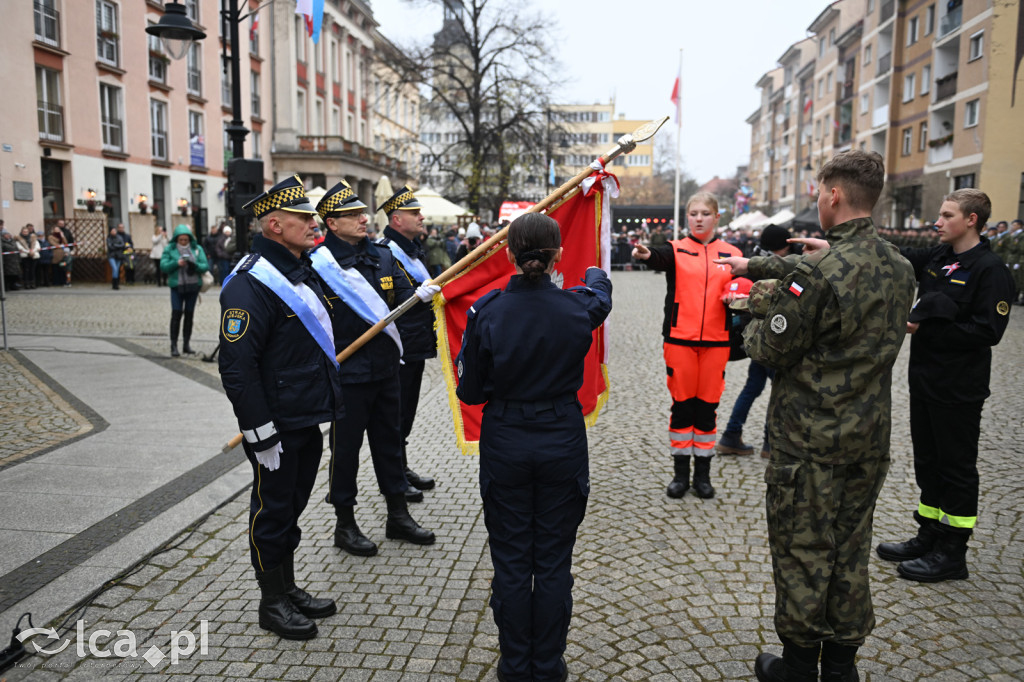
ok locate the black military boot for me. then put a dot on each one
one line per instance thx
(731, 443)
(186, 333)
(348, 536)
(702, 477)
(797, 664)
(401, 526)
(915, 547)
(413, 494)
(415, 480)
(837, 663)
(946, 561)
(681, 482)
(277, 612)
(307, 604)
(175, 328)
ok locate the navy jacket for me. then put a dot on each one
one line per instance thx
(378, 359)
(273, 371)
(417, 325)
(529, 341)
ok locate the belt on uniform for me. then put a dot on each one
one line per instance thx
(530, 408)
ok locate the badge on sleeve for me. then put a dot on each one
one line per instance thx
(460, 369)
(234, 324)
(779, 324)
(1003, 308)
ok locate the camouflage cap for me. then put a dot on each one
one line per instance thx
(760, 296)
(340, 198)
(287, 195)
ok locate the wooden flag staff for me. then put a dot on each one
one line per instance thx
(624, 145)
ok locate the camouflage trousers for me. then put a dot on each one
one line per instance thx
(819, 531)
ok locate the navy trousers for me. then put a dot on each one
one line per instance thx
(410, 376)
(757, 377)
(370, 407)
(278, 497)
(534, 481)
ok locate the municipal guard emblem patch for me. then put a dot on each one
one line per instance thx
(779, 324)
(387, 283)
(1003, 308)
(234, 324)
(460, 369)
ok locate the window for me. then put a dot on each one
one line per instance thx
(318, 117)
(817, 130)
(908, 140)
(257, 144)
(864, 103)
(929, 20)
(871, 6)
(976, 46)
(821, 88)
(158, 128)
(334, 61)
(867, 55)
(192, 10)
(971, 113)
(828, 82)
(300, 111)
(913, 26)
(106, 32)
(922, 138)
(909, 86)
(47, 20)
(196, 139)
(254, 35)
(336, 122)
(300, 39)
(225, 82)
(964, 181)
(110, 117)
(51, 113)
(157, 59)
(254, 87)
(831, 37)
(926, 79)
(821, 48)
(194, 68)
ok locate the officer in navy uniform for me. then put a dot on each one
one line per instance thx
(403, 236)
(365, 284)
(278, 368)
(523, 354)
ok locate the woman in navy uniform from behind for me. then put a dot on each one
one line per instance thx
(522, 354)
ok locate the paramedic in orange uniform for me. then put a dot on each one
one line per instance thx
(696, 332)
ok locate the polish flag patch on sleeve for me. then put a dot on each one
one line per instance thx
(796, 289)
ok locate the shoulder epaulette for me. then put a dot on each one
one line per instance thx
(249, 261)
(475, 309)
(810, 262)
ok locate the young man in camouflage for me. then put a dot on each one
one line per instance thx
(831, 328)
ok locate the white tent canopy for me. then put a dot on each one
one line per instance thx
(437, 209)
(781, 218)
(754, 219)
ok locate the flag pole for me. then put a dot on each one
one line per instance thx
(679, 145)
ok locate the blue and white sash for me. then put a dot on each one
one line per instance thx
(354, 291)
(285, 290)
(412, 265)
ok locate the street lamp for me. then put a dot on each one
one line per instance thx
(177, 33)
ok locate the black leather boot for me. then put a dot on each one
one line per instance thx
(731, 443)
(797, 664)
(348, 536)
(946, 561)
(307, 604)
(186, 333)
(915, 547)
(837, 663)
(277, 612)
(401, 526)
(702, 478)
(681, 482)
(175, 328)
(415, 480)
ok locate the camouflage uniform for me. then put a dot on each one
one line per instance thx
(832, 334)
(1015, 257)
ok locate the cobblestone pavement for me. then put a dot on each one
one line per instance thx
(665, 589)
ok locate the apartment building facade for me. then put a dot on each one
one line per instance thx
(117, 128)
(918, 81)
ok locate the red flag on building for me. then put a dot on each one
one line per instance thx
(585, 220)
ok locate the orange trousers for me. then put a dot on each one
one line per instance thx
(696, 379)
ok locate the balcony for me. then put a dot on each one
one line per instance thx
(945, 87)
(880, 116)
(886, 12)
(337, 145)
(950, 22)
(51, 121)
(47, 22)
(940, 153)
(884, 64)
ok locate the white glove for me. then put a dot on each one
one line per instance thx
(425, 292)
(271, 457)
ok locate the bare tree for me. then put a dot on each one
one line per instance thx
(486, 81)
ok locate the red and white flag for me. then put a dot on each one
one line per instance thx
(675, 98)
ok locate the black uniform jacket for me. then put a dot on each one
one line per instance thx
(950, 359)
(272, 369)
(417, 325)
(378, 359)
(529, 341)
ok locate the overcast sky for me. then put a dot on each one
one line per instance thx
(727, 46)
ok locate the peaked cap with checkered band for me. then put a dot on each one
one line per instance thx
(287, 195)
(339, 198)
(402, 200)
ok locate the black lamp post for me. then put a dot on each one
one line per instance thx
(177, 33)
